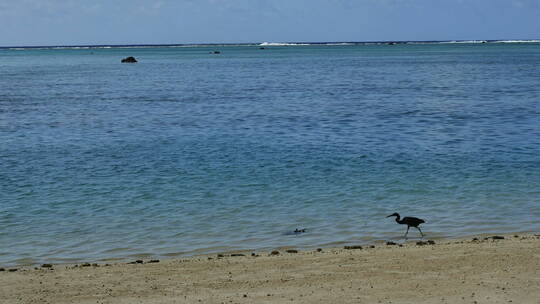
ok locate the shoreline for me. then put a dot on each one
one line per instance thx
(485, 270)
(249, 251)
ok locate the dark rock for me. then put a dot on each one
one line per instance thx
(46, 265)
(497, 237)
(139, 261)
(319, 249)
(421, 243)
(129, 59)
(2, 269)
(352, 247)
(215, 52)
(237, 255)
(13, 269)
(292, 251)
(153, 261)
(275, 252)
(431, 242)
(372, 246)
(86, 265)
(95, 265)
(261, 48)
(299, 230)
(390, 243)
(516, 236)
(475, 240)
(220, 255)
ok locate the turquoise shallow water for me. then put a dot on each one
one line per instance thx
(188, 152)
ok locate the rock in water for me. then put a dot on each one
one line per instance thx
(129, 59)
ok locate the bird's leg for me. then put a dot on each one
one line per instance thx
(420, 231)
(406, 232)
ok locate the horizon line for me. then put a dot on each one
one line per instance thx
(264, 43)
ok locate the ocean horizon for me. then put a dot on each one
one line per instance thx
(192, 152)
(288, 43)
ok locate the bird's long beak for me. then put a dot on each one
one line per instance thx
(390, 215)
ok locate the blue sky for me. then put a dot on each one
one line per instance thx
(62, 22)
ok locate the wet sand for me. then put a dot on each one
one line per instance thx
(462, 271)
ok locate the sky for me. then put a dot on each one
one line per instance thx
(88, 22)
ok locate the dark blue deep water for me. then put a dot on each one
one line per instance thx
(188, 152)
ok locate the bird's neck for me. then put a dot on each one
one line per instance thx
(398, 219)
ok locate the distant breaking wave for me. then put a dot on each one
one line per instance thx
(465, 41)
(491, 41)
(283, 44)
(518, 41)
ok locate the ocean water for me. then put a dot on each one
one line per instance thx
(188, 152)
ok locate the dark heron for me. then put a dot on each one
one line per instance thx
(409, 221)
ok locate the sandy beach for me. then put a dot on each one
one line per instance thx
(485, 270)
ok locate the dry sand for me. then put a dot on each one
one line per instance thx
(485, 271)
